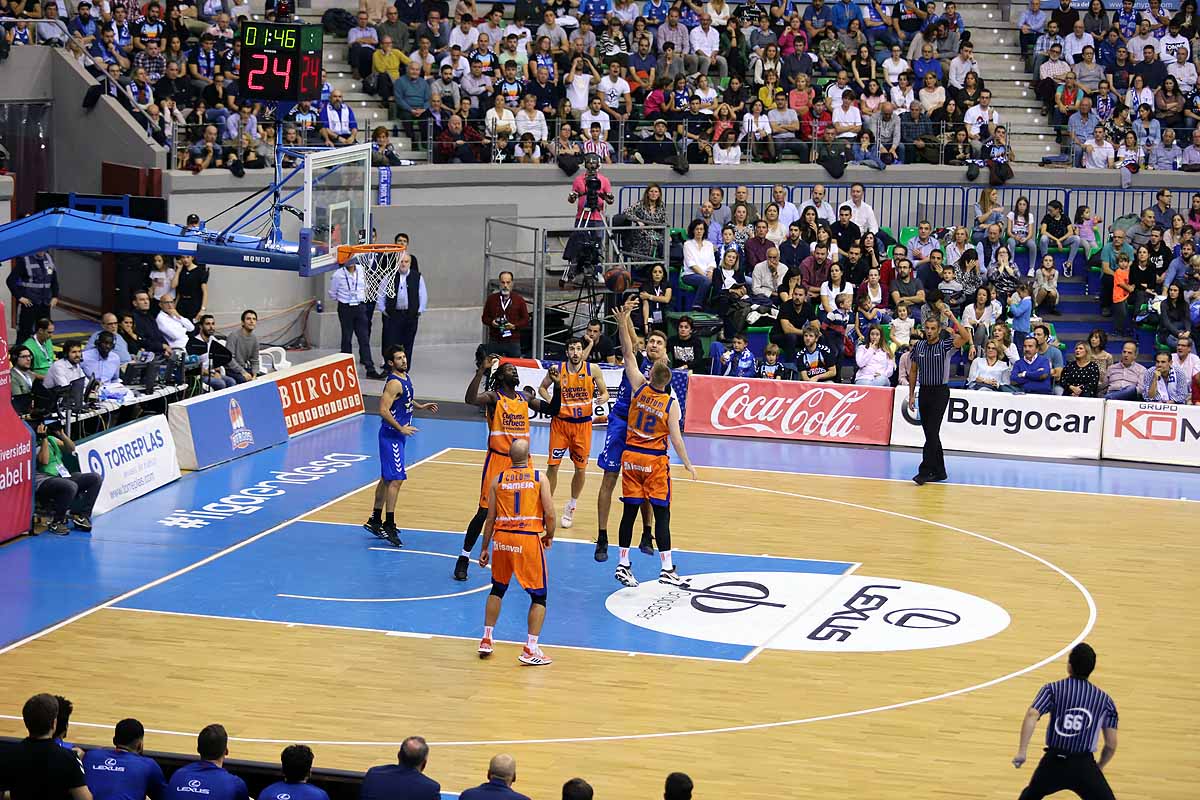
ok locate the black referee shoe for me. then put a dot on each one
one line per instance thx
(460, 568)
(920, 478)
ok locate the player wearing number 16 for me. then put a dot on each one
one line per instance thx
(645, 464)
(1079, 713)
(520, 517)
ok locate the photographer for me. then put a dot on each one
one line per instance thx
(68, 492)
(505, 315)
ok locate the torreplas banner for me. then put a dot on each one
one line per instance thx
(132, 460)
(1152, 432)
(1008, 424)
(801, 411)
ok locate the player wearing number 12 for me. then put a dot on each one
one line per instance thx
(1079, 713)
(571, 430)
(645, 464)
(396, 406)
(520, 515)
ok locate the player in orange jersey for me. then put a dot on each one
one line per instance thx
(507, 412)
(571, 430)
(645, 464)
(520, 514)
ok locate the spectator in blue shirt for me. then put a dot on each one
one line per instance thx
(208, 776)
(815, 17)
(1031, 373)
(655, 13)
(735, 363)
(297, 760)
(844, 11)
(101, 362)
(1020, 309)
(502, 774)
(123, 773)
(413, 98)
(405, 780)
(83, 27)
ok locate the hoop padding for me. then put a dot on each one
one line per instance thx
(378, 263)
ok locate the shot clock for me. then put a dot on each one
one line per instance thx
(280, 62)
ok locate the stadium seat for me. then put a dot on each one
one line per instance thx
(907, 233)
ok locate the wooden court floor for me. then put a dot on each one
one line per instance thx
(1136, 557)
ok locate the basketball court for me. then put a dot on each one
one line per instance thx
(843, 627)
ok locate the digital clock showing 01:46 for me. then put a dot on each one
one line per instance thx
(280, 62)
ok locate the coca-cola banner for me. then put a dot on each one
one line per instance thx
(813, 412)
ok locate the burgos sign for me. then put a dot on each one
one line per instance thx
(319, 392)
(1155, 432)
(813, 612)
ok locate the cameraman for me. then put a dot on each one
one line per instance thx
(73, 492)
(590, 192)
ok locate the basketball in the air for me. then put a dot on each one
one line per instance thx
(616, 280)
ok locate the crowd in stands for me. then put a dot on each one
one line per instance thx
(1120, 87)
(841, 303)
(45, 766)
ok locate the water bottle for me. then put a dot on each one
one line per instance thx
(320, 307)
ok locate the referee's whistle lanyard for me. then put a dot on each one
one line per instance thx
(353, 287)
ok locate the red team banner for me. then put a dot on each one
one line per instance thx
(319, 392)
(800, 411)
(16, 455)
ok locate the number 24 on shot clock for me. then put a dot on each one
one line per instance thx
(280, 62)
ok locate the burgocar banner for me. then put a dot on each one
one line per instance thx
(1009, 424)
(133, 460)
(531, 373)
(1153, 432)
(319, 392)
(16, 455)
(803, 411)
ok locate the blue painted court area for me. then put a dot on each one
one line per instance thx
(334, 574)
(48, 579)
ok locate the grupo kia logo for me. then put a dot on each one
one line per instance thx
(820, 411)
(810, 611)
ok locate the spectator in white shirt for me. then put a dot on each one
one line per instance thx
(861, 213)
(1183, 70)
(981, 119)
(66, 370)
(699, 261)
(961, 65)
(465, 34)
(1075, 41)
(788, 213)
(847, 121)
(1098, 153)
(174, 327)
(706, 44)
(1184, 359)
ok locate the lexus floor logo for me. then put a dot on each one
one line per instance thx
(806, 611)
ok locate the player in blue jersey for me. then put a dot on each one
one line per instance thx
(395, 426)
(123, 773)
(297, 761)
(614, 444)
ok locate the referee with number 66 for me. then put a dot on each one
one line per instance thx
(930, 366)
(1079, 712)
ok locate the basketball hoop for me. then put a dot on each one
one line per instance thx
(378, 262)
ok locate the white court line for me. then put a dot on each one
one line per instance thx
(796, 617)
(207, 560)
(876, 478)
(412, 634)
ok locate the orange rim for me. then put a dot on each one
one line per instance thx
(346, 251)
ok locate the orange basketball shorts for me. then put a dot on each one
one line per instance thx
(645, 476)
(520, 555)
(493, 465)
(570, 437)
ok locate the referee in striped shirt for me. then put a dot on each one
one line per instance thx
(1079, 712)
(930, 367)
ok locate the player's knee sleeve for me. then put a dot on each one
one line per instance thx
(662, 527)
(498, 589)
(629, 513)
(538, 599)
(474, 529)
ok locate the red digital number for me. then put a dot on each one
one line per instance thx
(286, 74)
(260, 86)
(310, 75)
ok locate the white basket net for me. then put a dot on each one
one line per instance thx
(378, 267)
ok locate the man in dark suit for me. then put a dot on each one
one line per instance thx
(502, 774)
(405, 780)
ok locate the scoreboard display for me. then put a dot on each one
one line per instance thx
(280, 62)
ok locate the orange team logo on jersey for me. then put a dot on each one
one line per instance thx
(509, 421)
(578, 390)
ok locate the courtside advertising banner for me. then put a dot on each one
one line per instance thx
(132, 460)
(16, 455)
(1009, 424)
(219, 426)
(317, 393)
(1152, 432)
(801, 411)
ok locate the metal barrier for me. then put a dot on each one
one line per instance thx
(900, 205)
